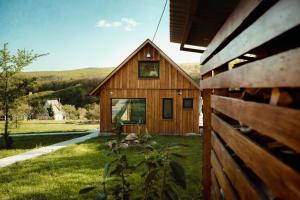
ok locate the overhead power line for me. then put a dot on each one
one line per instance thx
(159, 20)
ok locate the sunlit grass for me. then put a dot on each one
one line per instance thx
(44, 126)
(62, 174)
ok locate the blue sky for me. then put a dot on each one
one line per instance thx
(85, 33)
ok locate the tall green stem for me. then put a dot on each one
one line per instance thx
(164, 180)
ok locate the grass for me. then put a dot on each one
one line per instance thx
(62, 174)
(23, 144)
(45, 126)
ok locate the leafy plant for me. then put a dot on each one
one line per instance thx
(117, 168)
(161, 172)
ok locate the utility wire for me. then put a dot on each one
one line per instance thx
(160, 20)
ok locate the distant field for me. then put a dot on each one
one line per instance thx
(44, 126)
(26, 143)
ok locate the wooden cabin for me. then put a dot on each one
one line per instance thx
(250, 85)
(149, 90)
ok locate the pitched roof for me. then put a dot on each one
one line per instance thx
(135, 52)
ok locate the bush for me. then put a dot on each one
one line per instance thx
(70, 112)
(93, 111)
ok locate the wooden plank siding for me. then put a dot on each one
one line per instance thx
(251, 138)
(275, 173)
(171, 83)
(280, 18)
(183, 119)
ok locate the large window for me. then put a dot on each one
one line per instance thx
(131, 111)
(167, 108)
(148, 69)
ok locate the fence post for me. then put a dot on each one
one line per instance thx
(206, 170)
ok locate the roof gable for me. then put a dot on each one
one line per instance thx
(173, 64)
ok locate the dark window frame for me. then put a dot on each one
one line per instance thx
(148, 77)
(188, 99)
(163, 108)
(126, 123)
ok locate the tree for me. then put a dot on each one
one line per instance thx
(19, 111)
(70, 112)
(93, 111)
(82, 113)
(10, 86)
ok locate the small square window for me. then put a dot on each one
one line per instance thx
(188, 103)
(148, 69)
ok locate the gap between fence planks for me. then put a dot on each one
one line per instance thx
(240, 181)
(237, 17)
(279, 123)
(222, 179)
(283, 16)
(282, 180)
(215, 190)
(281, 70)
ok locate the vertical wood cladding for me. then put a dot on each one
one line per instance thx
(125, 83)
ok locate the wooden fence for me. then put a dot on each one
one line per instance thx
(251, 103)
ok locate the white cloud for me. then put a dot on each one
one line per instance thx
(104, 23)
(127, 24)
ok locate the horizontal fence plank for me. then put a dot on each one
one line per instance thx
(222, 179)
(243, 9)
(279, 123)
(283, 16)
(282, 180)
(281, 70)
(215, 190)
(245, 188)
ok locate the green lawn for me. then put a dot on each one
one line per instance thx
(44, 126)
(22, 144)
(62, 174)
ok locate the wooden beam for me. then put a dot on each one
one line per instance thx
(283, 16)
(245, 188)
(281, 70)
(222, 179)
(190, 49)
(281, 179)
(206, 169)
(206, 143)
(279, 123)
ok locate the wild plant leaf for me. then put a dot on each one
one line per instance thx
(117, 170)
(140, 163)
(86, 190)
(106, 169)
(178, 155)
(108, 154)
(153, 195)
(101, 196)
(178, 174)
(150, 177)
(144, 173)
(170, 193)
(150, 147)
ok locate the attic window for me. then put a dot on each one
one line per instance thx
(148, 69)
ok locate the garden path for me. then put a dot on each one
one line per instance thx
(45, 150)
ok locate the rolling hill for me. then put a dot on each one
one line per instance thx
(73, 86)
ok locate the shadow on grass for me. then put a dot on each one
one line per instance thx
(30, 142)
